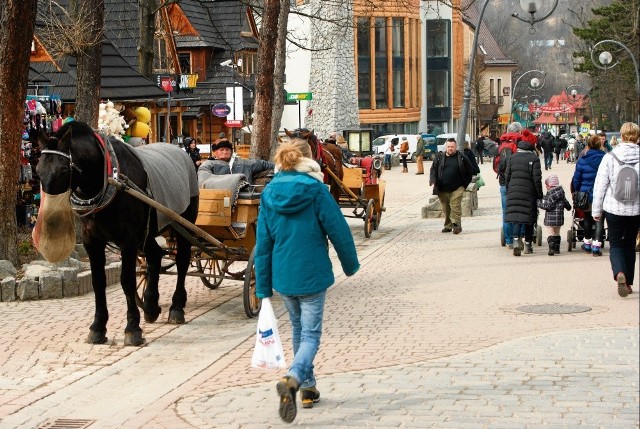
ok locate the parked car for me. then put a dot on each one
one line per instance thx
(381, 143)
(430, 146)
(442, 139)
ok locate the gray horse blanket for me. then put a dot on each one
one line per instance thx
(172, 180)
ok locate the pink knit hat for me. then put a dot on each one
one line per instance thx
(552, 181)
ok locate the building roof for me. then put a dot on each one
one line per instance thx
(487, 45)
(118, 82)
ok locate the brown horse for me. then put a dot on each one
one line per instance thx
(329, 156)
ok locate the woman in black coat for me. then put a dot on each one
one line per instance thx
(523, 179)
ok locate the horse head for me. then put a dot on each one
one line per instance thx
(305, 134)
(54, 166)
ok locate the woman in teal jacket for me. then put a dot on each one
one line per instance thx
(297, 215)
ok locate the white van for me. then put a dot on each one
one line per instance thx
(381, 143)
(441, 139)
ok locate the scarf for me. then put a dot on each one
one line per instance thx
(309, 166)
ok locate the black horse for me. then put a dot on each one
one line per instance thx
(78, 159)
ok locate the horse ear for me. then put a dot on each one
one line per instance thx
(288, 133)
(65, 140)
(42, 139)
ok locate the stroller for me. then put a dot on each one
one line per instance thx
(576, 233)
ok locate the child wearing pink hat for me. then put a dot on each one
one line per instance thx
(554, 203)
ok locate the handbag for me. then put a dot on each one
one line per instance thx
(581, 200)
(480, 182)
(268, 352)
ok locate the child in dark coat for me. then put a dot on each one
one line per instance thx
(554, 203)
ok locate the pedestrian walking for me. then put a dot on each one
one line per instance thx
(523, 180)
(420, 155)
(546, 143)
(297, 216)
(389, 150)
(404, 153)
(450, 175)
(554, 203)
(508, 146)
(558, 148)
(583, 180)
(475, 169)
(616, 196)
(479, 147)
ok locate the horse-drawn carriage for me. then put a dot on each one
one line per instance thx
(352, 173)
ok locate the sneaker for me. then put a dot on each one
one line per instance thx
(528, 248)
(287, 388)
(597, 252)
(446, 229)
(457, 229)
(623, 289)
(630, 290)
(518, 245)
(509, 245)
(586, 247)
(309, 396)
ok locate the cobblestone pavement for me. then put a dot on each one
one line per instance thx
(427, 334)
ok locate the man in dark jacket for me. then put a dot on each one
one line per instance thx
(480, 149)
(450, 174)
(523, 179)
(546, 142)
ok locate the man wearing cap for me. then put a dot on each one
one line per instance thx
(227, 162)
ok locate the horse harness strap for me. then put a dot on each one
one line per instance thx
(85, 207)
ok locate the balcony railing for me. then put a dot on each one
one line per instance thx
(499, 100)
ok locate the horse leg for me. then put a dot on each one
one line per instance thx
(132, 332)
(183, 257)
(97, 260)
(153, 254)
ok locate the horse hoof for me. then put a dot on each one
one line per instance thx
(133, 338)
(176, 317)
(152, 316)
(97, 337)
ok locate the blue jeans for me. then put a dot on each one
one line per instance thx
(305, 313)
(622, 242)
(507, 228)
(548, 159)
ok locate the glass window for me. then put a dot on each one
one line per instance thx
(437, 38)
(159, 56)
(438, 88)
(381, 62)
(364, 64)
(184, 58)
(398, 62)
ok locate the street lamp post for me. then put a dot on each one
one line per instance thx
(534, 83)
(573, 91)
(532, 7)
(605, 59)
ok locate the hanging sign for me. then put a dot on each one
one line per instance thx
(233, 124)
(221, 110)
(166, 83)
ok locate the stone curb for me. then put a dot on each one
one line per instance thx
(53, 282)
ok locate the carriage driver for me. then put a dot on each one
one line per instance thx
(227, 162)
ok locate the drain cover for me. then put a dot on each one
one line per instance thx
(553, 308)
(66, 424)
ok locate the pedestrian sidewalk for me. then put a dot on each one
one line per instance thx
(430, 333)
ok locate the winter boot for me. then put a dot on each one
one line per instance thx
(551, 240)
(586, 245)
(517, 246)
(556, 244)
(528, 248)
(595, 248)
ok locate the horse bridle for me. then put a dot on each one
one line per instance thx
(85, 207)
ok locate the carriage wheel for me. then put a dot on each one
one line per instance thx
(369, 219)
(570, 240)
(251, 302)
(539, 235)
(141, 273)
(378, 215)
(141, 280)
(503, 241)
(210, 267)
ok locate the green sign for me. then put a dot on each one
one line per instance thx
(297, 96)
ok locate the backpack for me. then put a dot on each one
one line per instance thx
(627, 182)
(503, 152)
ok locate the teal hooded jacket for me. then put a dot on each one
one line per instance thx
(297, 215)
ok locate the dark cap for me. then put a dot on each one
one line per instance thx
(224, 143)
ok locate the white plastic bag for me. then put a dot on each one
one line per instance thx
(268, 353)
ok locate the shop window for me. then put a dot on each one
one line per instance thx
(438, 88)
(437, 38)
(397, 53)
(364, 63)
